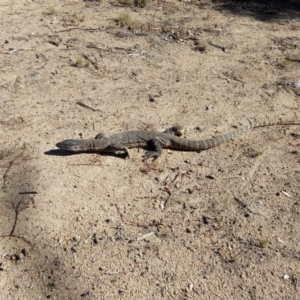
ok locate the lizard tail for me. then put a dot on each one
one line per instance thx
(194, 145)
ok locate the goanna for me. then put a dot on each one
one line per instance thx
(154, 140)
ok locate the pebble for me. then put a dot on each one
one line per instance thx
(188, 230)
(3, 266)
(85, 294)
(286, 276)
(73, 249)
(190, 191)
(95, 238)
(76, 239)
(15, 257)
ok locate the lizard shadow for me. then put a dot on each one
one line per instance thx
(61, 152)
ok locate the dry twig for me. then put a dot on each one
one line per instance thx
(7, 170)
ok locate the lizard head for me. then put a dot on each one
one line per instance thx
(72, 145)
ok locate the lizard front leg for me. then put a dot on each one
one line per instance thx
(101, 135)
(156, 144)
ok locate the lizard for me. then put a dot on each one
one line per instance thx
(154, 140)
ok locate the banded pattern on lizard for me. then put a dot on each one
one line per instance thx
(155, 140)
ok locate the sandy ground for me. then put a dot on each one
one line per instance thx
(220, 224)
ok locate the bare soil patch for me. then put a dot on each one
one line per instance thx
(220, 224)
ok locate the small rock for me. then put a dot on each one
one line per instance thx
(3, 266)
(85, 294)
(190, 191)
(151, 98)
(76, 238)
(15, 257)
(188, 230)
(54, 40)
(199, 46)
(73, 249)
(95, 238)
(286, 276)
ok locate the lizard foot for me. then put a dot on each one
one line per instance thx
(176, 130)
(150, 154)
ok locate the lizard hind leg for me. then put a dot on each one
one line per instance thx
(101, 135)
(176, 130)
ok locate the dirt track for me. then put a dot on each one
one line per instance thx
(220, 224)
